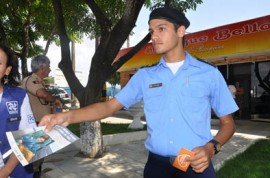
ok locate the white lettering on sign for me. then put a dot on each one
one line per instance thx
(226, 34)
(201, 39)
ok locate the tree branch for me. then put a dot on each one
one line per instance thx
(101, 19)
(122, 60)
(65, 64)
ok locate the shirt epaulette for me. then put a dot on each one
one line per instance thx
(151, 65)
(201, 60)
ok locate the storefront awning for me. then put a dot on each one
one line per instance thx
(246, 41)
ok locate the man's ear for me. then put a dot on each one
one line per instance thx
(181, 31)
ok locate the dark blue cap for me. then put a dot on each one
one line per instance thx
(170, 14)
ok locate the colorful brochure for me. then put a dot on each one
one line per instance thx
(33, 144)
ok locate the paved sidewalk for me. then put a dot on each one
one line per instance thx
(125, 155)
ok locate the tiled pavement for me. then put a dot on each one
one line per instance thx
(125, 155)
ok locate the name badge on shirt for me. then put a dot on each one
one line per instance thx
(13, 119)
(155, 85)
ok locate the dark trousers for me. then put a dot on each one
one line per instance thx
(37, 165)
(160, 167)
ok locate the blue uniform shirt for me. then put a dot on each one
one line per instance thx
(178, 107)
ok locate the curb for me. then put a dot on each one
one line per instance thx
(120, 138)
(219, 165)
(112, 139)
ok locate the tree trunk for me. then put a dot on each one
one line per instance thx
(24, 67)
(111, 41)
(91, 139)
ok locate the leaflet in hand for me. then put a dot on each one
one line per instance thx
(33, 144)
(180, 162)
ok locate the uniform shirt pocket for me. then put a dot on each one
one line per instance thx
(194, 97)
(153, 95)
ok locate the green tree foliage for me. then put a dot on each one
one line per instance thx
(20, 29)
(114, 79)
(23, 23)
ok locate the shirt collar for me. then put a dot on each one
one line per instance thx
(188, 61)
(36, 76)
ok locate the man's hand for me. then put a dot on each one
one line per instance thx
(202, 158)
(57, 102)
(54, 119)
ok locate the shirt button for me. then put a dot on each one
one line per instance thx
(171, 142)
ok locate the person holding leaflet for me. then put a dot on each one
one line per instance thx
(178, 94)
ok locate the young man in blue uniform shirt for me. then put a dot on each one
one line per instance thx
(178, 94)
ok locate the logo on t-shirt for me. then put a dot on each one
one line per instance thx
(31, 119)
(12, 107)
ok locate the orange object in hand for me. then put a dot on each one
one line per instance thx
(180, 162)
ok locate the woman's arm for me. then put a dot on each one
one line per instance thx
(9, 166)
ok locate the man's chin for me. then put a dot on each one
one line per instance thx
(157, 51)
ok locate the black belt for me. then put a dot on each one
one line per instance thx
(161, 158)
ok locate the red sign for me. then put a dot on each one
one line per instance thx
(243, 38)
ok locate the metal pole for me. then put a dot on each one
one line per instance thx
(73, 101)
(73, 55)
(227, 68)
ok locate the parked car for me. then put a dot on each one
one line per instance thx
(60, 93)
